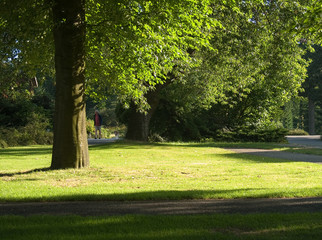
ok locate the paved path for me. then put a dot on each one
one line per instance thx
(186, 207)
(301, 141)
(296, 157)
(306, 141)
(93, 141)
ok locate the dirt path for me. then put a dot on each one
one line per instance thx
(186, 207)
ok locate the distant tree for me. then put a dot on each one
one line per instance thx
(254, 67)
(313, 85)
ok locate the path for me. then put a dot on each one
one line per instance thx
(307, 141)
(93, 141)
(184, 207)
(296, 157)
(303, 141)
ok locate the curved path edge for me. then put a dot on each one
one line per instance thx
(184, 207)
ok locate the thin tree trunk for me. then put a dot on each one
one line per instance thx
(70, 148)
(311, 117)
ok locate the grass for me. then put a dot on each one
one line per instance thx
(253, 226)
(128, 171)
(137, 171)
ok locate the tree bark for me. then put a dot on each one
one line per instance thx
(311, 117)
(138, 127)
(70, 149)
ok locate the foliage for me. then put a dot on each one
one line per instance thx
(90, 128)
(250, 134)
(26, 47)
(105, 132)
(133, 45)
(297, 132)
(25, 117)
(36, 131)
(309, 23)
(253, 69)
(296, 111)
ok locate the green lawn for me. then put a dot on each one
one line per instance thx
(134, 171)
(296, 226)
(128, 171)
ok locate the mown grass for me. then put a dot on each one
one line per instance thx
(295, 226)
(137, 171)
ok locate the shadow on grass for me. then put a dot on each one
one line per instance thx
(26, 151)
(254, 158)
(25, 172)
(127, 144)
(220, 226)
(262, 156)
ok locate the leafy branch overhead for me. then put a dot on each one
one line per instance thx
(139, 43)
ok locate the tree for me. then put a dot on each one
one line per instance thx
(131, 46)
(312, 84)
(253, 68)
(160, 33)
(70, 139)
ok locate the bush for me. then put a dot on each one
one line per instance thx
(105, 132)
(297, 132)
(252, 134)
(90, 129)
(35, 132)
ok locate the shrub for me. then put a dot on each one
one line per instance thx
(35, 132)
(90, 129)
(105, 132)
(252, 134)
(297, 132)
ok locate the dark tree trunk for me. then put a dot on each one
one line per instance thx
(311, 117)
(138, 127)
(70, 148)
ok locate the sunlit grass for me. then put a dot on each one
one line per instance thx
(252, 226)
(134, 171)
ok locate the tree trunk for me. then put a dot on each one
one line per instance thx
(311, 117)
(70, 149)
(138, 127)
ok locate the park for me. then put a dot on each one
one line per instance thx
(160, 119)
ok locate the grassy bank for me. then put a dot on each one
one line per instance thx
(133, 171)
